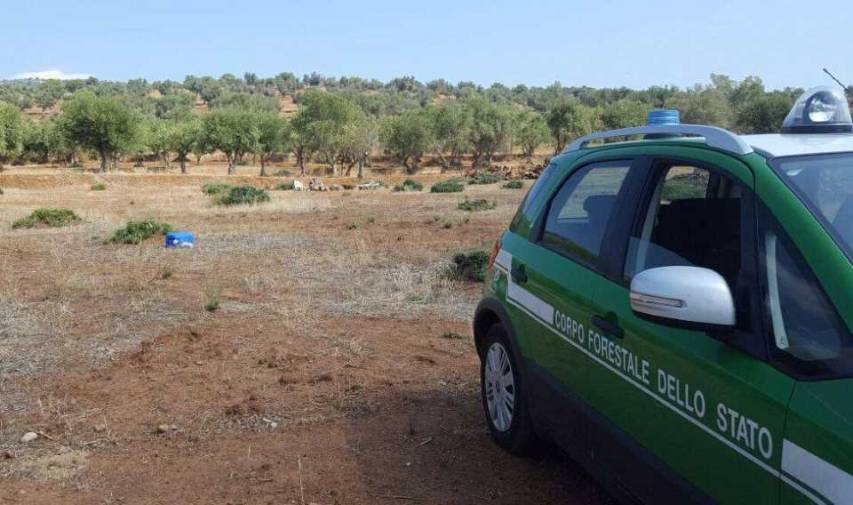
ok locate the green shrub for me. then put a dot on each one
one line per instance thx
(212, 305)
(470, 266)
(135, 232)
(514, 185)
(215, 188)
(485, 178)
(243, 195)
(452, 335)
(476, 205)
(51, 218)
(285, 186)
(448, 186)
(409, 185)
(99, 186)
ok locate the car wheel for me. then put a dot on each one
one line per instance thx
(504, 395)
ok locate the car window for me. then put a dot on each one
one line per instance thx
(693, 219)
(544, 180)
(806, 330)
(580, 212)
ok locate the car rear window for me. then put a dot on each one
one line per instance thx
(533, 195)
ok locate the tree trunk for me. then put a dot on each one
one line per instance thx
(300, 160)
(360, 168)
(475, 165)
(230, 164)
(411, 167)
(105, 161)
(263, 166)
(183, 162)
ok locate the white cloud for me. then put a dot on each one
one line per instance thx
(50, 74)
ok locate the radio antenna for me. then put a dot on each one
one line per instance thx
(846, 88)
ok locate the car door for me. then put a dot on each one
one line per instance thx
(552, 281)
(686, 415)
(810, 342)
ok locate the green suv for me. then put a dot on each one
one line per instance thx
(674, 310)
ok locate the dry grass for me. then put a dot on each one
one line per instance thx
(291, 259)
(69, 303)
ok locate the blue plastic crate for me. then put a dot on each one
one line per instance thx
(178, 239)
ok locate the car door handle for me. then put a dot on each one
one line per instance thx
(518, 274)
(608, 327)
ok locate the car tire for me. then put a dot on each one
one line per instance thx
(504, 395)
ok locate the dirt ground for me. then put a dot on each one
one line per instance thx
(338, 367)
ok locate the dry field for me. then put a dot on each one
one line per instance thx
(332, 371)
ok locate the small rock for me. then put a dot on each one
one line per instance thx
(164, 428)
(100, 428)
(29, 437)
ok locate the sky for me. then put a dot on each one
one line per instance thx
(604, 43)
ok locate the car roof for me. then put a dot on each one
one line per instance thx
(769, 145)
(775, 144)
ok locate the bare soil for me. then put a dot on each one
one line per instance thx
(328, 374)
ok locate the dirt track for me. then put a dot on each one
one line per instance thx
(331, 372)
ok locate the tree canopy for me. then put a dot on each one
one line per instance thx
(104, 124)
(342, 121)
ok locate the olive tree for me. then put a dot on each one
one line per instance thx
(491, 129)
(158, 139)
(319, 125)
(184, 138)
(568, 120)
(59, 146)
(358, 140)
(174, 106)
(104, 124)
(233, 131)
(407, 137)
(34, 147)
(624, 114)
(45, 141)
(12, 130)
(274, 137)
(703, 106)
(531, 131)
(451, 125)
(764, 114)
(48, 93)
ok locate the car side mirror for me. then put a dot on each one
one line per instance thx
(685, 297)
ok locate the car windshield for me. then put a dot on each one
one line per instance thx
(825, 182)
